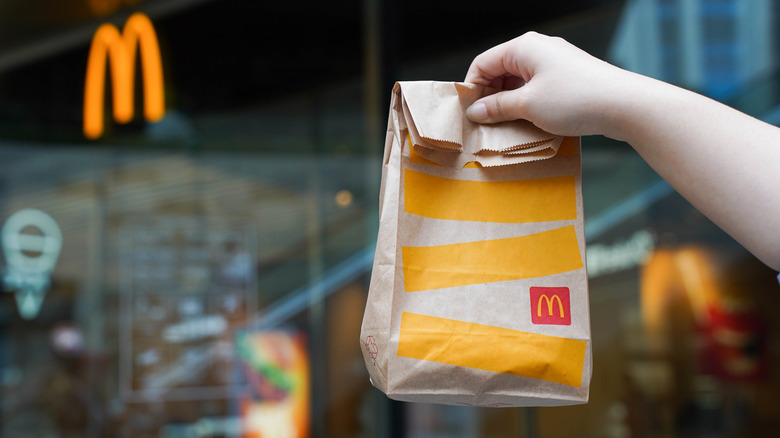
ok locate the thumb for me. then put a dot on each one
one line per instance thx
(498, 107)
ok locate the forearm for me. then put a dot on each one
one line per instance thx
(727, 164)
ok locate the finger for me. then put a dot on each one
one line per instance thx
(498, 107)
(506, 59)
(488, 66)
(507, 82)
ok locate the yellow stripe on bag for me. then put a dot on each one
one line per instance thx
(520, 201)
(459, 264)
(491, 348)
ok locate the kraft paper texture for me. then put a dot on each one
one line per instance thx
(479, 291)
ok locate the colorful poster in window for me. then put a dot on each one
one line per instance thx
(275, 401)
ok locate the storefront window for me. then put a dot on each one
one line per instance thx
(202, 271)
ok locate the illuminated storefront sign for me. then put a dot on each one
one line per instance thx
(31, 242)
(120, 51)
(620, 256)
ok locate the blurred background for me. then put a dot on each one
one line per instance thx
(203, 273)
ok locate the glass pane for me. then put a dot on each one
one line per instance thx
(205, 274)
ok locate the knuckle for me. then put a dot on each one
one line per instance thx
(531, 34)
(499, 107)
(557, 40)
(531, 37)
(506, 105)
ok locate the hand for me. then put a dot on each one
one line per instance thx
(723, 161)
(551, 83)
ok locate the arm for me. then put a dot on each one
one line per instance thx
(726, 163)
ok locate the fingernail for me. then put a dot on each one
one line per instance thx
(477, 112)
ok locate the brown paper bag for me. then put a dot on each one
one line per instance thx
(478, 294)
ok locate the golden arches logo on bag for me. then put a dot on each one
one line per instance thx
(120, 49)
(550, 305)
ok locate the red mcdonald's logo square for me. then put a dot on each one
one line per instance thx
(550, 305)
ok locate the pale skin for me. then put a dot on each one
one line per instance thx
(726, 163)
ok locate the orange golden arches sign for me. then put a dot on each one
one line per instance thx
(120, 51)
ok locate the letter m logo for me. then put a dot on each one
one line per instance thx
(120, 51)
(550, 305)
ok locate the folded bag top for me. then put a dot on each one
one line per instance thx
(439, 130)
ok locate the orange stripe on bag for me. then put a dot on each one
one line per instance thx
(520, 201)
(485, 261)
(491, 348)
